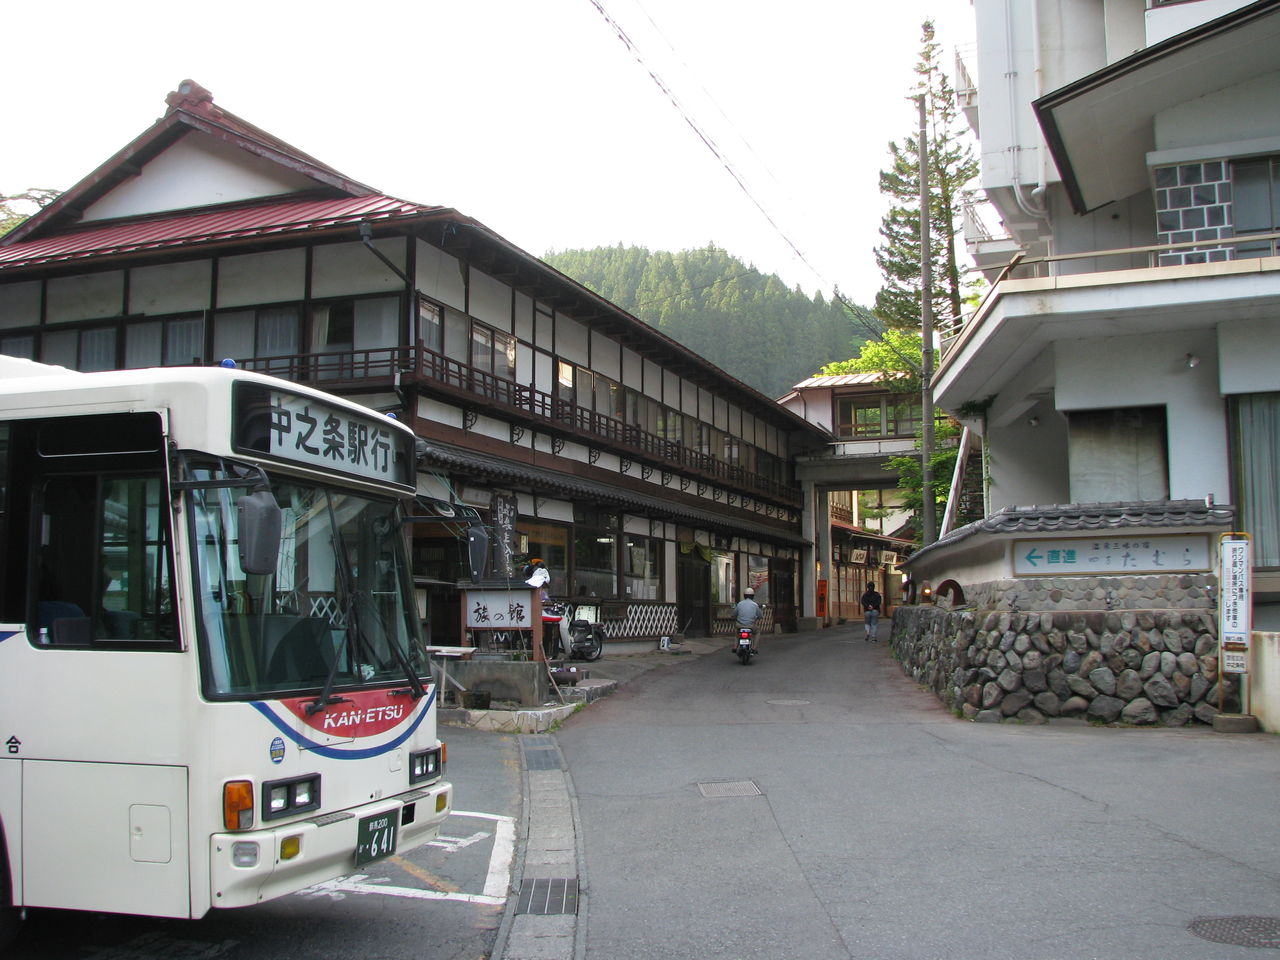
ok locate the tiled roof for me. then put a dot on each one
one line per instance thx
(840, 380)
(1070, 517)
(213, 225)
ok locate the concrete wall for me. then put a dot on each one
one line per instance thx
(1152, 371)
(522, 682)
(1222, 117)
(1028, 464)
(1264, 680)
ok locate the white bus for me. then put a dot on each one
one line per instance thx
(213, 688)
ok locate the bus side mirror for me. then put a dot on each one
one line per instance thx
(477, 551)
(260, 522)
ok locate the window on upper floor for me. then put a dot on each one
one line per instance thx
(1255, 207)
(265, 332)
(430, 324)
(493, 352)
(886, 415)
(86, 349)
(608, 397)
(164, 343)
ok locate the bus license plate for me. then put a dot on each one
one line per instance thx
(376, 837)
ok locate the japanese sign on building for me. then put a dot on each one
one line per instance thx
(499, 609)
(1235, 602)
(306, 430)
(1113, 555)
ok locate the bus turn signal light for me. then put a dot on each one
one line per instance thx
(237, 804)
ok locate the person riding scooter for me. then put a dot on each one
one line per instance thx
(746, 612)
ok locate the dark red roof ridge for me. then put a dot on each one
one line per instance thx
(214, 225)
(191, 107)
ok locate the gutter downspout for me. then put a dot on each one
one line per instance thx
(366, 237)
(1034, 207)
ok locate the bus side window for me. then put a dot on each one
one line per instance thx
(104, 560)
(66, 579)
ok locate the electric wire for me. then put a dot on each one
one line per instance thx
(702, 135)
(854, 312)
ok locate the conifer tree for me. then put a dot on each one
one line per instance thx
(951, 167)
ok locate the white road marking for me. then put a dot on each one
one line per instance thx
(454, 844)
(359, 883)
(497, 882)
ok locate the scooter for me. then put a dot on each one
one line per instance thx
(574, 631)
(744, 649)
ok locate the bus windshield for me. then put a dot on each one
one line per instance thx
(336, 611)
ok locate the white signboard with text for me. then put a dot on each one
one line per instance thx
(1114, 556)
(1235, 602)
(499, 609)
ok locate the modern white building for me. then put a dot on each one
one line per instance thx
(1123, 370)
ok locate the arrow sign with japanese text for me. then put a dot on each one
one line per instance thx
(1118, 556)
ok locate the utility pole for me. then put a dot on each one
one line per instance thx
(928, 505)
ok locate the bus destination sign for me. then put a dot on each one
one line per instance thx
(307, 431)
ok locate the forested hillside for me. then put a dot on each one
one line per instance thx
(748, 324)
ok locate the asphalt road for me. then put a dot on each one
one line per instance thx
(886, 828)
(815, 804)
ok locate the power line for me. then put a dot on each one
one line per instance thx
(702, 135)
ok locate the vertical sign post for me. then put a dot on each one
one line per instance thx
(1235, 611)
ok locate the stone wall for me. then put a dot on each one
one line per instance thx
(1151, 664)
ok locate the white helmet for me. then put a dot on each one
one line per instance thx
(748, 592)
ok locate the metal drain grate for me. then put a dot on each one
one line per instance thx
(1239, 931)
(541, 759)
(548, 897)
(729, 788)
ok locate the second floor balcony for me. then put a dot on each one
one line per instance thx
(428, 371)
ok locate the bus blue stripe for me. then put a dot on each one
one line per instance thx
(336, 753)
(6, 634)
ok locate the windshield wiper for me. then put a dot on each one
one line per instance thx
(326, 697)
(354, 629)
(415, 685)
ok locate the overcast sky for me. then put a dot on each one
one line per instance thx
(530, 115)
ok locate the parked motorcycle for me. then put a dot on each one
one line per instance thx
(573, 631)
(745, 648)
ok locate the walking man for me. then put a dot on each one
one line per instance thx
(871, 611)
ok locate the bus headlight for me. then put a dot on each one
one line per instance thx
(426, 765)
(283, 798)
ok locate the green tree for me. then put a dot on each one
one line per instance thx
(17, 208)
(896, 354)
(749, 324)
(910, 478)
(951, 167)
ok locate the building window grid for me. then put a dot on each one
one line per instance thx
(880, 416)
(276, 333)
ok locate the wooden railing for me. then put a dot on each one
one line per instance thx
(391, 365)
